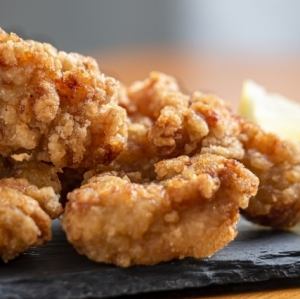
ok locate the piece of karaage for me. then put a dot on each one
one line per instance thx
(180, 124)
(190, 209)
(56, 106)
(29, 199)
(25, 216)
(37, 173)
(277, 165)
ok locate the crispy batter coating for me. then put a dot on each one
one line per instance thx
(190, 209)
(166, 123)
(25, 216)
(277, 165)
(163, 180)
(177, 124)
(26, 209)
(37, 173)
(58, 106)
(205, 124)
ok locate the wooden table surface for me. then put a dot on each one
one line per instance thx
(292, 293)
(222, 75)
(219, 74)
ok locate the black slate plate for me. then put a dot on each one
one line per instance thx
(57, 271)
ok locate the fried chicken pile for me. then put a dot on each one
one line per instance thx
(163, 174)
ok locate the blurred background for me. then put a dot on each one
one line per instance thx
(210, 45)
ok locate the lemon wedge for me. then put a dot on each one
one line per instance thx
(273, 112)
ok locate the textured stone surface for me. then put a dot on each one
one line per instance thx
(57, 271)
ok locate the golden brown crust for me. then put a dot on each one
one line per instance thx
(25, 216)
(166, 123)
(168, 191)
(190, 209)
(277, 165)
(37, 173)
(57, 105)
(176, 123)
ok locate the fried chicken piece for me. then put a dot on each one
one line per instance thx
(277, 165)
(26, 206)
(190, 209)
(43, 174)
(25, 216)
(37, 173)
(176, 124)
(57, 106)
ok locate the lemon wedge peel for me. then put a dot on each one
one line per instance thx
(273, 112)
